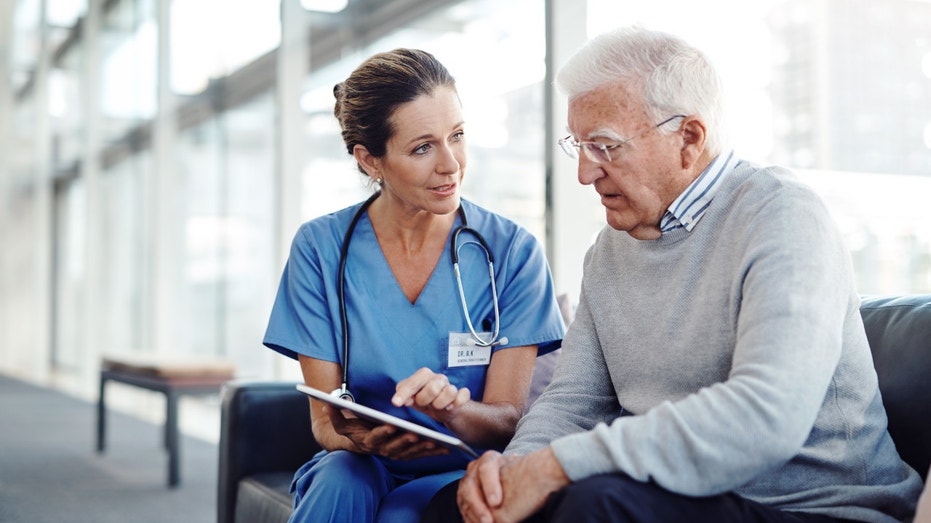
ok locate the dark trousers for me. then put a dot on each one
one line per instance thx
(616, 498)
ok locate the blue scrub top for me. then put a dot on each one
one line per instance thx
(390, 338)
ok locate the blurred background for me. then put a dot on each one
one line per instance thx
(157, 156)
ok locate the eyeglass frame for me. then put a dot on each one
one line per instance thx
(593, 149)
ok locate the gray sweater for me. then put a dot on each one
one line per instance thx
(731, 358)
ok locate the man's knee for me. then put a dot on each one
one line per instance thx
(598, 498)
(443, 507)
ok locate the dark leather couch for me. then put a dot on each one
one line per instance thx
(265, 426)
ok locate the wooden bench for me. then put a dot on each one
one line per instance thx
(172, 376)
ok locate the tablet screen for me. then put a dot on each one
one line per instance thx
(377, 416)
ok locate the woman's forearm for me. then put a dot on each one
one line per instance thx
(485, 425)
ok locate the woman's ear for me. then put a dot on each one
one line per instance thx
(693, 142)
(368, 162)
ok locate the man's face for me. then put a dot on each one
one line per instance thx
(644, 175)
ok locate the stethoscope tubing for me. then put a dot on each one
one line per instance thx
(454, 247)
(341, 294)
(343, 391)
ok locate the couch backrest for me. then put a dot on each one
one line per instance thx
(899, 332)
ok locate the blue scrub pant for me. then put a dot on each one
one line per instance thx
(342, 486)
(617, 498)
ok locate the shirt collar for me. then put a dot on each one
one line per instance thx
(690, 206)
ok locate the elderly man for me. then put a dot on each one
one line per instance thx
(717, 368)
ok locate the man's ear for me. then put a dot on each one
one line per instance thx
(693, 143)
(369, 163)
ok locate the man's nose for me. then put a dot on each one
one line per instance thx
(589, 171)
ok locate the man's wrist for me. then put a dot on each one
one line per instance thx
(544, 461)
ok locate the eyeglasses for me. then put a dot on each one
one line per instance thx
(601, 152)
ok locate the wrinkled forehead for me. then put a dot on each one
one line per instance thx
(608, 112)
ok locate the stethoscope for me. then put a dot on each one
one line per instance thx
(475, 338)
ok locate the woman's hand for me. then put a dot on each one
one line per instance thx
(431, 393)
(383, 440)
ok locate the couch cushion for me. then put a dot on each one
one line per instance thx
(264, 497)
(899, 332)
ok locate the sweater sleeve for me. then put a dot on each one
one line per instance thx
(579, 395)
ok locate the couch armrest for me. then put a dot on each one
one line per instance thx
(264, 427)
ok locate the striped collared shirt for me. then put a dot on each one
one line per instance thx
(691, 205)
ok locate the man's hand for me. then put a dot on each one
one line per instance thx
(504, 489)
(480, 490)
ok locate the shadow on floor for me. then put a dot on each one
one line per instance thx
(50, 470)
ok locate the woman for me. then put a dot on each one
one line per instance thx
(413, 351)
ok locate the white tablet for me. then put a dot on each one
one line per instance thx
(377, 416)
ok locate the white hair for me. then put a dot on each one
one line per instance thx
(671, 76)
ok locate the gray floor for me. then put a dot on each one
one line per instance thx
(51, 472)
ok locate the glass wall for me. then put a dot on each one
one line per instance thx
(68, 276)
(793, 72)
(112, 230)
(127, 53)
(226, 176)
(143, 195)
(236, 36)
(499, 68)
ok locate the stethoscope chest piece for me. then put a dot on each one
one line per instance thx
(343, 393)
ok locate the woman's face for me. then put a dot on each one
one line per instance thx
(426, 156)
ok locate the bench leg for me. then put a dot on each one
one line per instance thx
(171, 435)
(101, 418)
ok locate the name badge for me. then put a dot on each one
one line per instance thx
(464, 352)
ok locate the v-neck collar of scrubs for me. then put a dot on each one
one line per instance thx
(434, 292)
